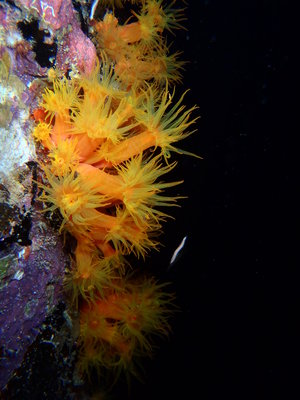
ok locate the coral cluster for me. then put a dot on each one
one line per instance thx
(116, 330)
(108, 142)
(139, 49)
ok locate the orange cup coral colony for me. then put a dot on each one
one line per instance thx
(108, 137)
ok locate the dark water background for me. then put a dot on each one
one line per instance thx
(237, 281)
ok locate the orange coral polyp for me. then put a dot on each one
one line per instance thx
(60, 130)
(149, 30)
(109, 35)
(105, 183)
(130, 33)
(92, 273)
(127, 148)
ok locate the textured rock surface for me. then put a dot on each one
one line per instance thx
(31, 283)
(32, 261)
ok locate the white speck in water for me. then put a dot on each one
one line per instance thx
(177, 251)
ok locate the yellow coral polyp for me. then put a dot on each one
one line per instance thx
(101, 82)
(64, 157)
(42, 133)
(141, 193)
(166, 123)
(129, 237)
(100, 121)
(92, 271)
(72, 196)
(61, 99)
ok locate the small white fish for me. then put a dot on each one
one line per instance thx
(177, 251)
(93, 9)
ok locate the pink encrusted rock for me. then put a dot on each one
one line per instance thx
(55, 13)
(74, 47)
(77, 49)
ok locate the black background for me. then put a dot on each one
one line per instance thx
(237, 281)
